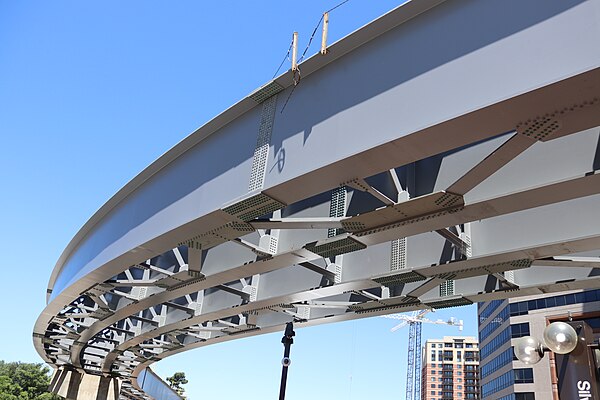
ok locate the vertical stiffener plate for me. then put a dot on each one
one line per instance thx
(337, 208)
(261, 152)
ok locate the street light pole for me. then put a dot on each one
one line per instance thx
(287, 341)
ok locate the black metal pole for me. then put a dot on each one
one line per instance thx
(287, 341)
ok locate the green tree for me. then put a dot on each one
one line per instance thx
(8, 390)
(176, 381)
(24, 381)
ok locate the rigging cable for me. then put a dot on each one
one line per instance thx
(287, 57)
(297, 74)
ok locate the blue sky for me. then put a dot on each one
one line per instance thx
(91, 92)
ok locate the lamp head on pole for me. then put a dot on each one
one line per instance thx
(559, 337)
(529, 350)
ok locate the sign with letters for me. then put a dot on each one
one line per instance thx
(577, 371)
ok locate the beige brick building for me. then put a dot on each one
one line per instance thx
(450, 369)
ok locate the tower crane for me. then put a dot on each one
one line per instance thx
(414, 321)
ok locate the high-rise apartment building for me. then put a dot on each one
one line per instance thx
(503, 377)
(450, 369)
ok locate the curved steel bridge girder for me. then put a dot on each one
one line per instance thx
(440, 156)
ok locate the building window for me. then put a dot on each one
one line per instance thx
(494, 323)
(489, 310)
(471, 356)
(495, 343)
(523, 307)
(524, 375)
(525, 396)
(519, 330)
(498, 362)
(503, 381)
(448, 355)
(519, 396)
